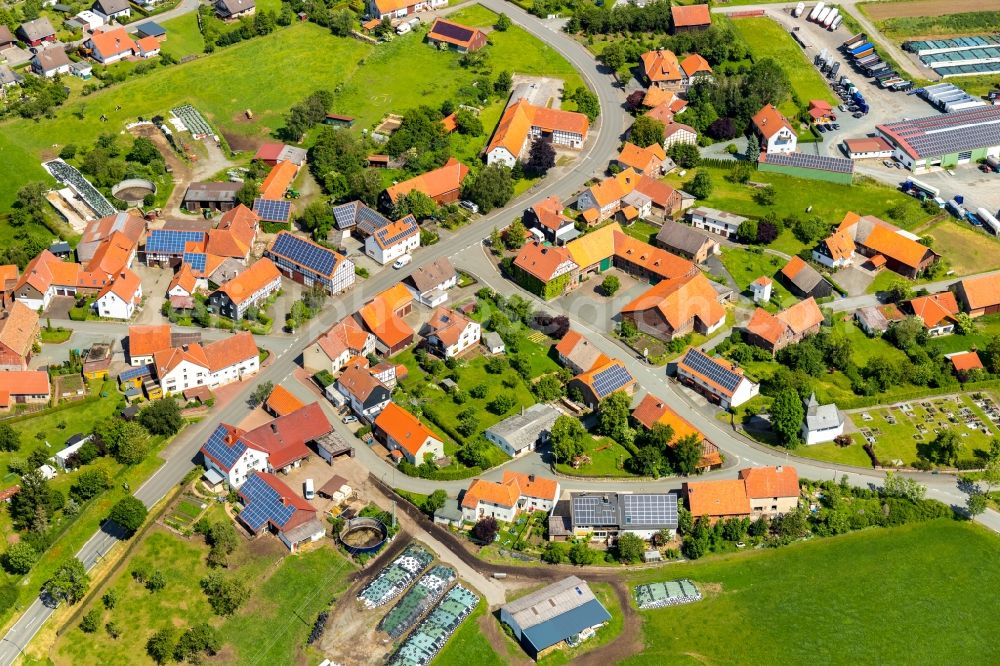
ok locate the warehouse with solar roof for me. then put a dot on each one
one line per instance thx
(945, 140)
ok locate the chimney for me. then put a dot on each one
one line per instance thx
(531, 478)
(779, 468)
(274, 428)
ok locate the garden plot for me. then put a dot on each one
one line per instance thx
(428, 590)
(432, 634)
(395, 577)
(185, 513)
(670, 593)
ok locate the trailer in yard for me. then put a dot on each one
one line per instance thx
(988, 220)
(816, 10)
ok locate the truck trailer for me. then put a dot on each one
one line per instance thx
(816, 10)
(799, 8)
(829, 19)
(836, 22)
(823, 14)
(989, 220)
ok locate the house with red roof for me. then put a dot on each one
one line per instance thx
(673, 308)
(551, 223)
(938, 312)
(644, 161)
(690, 17)
(523, 123)
(979, 295)
(443, 185)
(455, 36)
(665, 71)
(504, 500)
(599, 382)
(652, 411)
(362, 390)
(111, 46)
(379, 9)
(220, 362)
(450, 333)
(774, 131)
(788, 327)
(276, 446)
(578, 353)
(383, 318)
(333, 349)
(389, 243)
(900, 250)
(405, 436)
(270, 505)
(759, 491)
(45, 277)
(281, 402)
(121, 297)
(24, 387)
(18, 333)
(272, 153)
(249, 289)
(965, 363)
(544, 270)
(308, 263)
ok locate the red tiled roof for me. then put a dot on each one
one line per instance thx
(262, 273)
(690, 15)
(549, 212)
(661, 65)
(113, 42)
(680, 300)
(403, 427)
(284, 439)
(981, 292)
(145, 340)
(541, 261)
(764, 482)
(435, 183)
(125, 286)
(269, 152)
(278, 180)
(282, 402)
(769, 120)
(25, 382)
(935, 308)
(726, 497)
(18, 329)
(184, 279)
(966, 361)
(229, 351)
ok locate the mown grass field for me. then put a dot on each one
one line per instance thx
(607, 458)
(183, 37)
(768, 39)
(746, 266)
(888, 596)
(829, 201)
(930, 18)
(967, 249)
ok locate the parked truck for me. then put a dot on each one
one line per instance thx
(823, 14)
(989, 220)
(855, 50)
(956, 209)
(856, 40)
(830, 17)
(799, 8)
(836, 22)
(912, 185)
(816, 10)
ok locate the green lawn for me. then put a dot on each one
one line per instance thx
(607, 457)
(875, 596)
(268, 75)
(746, 266)
(183, 37)
(829, 201)
(987, 328)
(768, 39)
(947, 23)
(643, 231)
(288, 592)
(897, 440)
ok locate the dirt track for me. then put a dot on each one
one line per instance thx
(885, 10)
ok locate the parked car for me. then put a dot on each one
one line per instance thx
(350, 418)
(469, 206)
(887, 163)
(821, 128)
(402, 261)
(857, 114)
(984, 168)
(836, 126)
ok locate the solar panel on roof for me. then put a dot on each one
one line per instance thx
(136, 373)
(273, 210)
(170, 241)
(705, 365)
(370, 221)
(611, 379)
(450, 30)
(313, 257)
(346, 215)
(226, 455)
(263, 504)
(596, 510)
(197, 260)
(807, 161)
(408, 230)
(651, 509)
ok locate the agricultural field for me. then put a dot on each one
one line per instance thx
(183, 37)
(288, 592)
(821, 611)
(966, 249)
(932, 18)
(267, 75)
(768, 39)
(899, 432)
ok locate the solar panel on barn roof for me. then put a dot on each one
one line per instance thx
(315, 258)
(273, 210)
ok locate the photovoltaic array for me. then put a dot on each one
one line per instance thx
(273, 210)
(171, 241)
(346, 214)
(197, 260)
(407, 228)
(308, 255)
(136, 373)
(225, 454)
(651, 509)
(263, 504)
(705, 366)
(611, 379)
(806, 161)
(370, 221)
(595, 510)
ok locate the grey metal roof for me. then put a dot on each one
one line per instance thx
(549, 602)
(567, 624)
(682, 237)
(624, 511)
(821, 417)
(220, 192)
(522, 430)
(450, 511)
(231, 7)
(717, 215)
(108, 7)
(947, 133)
(492, 339)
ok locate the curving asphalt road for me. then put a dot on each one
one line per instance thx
(603, 143)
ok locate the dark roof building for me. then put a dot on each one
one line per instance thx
(456, 36)
(37, 31)
(610, 514)
(945, 139)
(546, 618)
(268, 503)
(217, 196)
(804, 280)
(686, 241)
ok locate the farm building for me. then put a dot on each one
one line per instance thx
(945, 140)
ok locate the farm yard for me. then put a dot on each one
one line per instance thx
(932, 18)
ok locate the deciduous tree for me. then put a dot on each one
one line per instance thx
(786, 416)
(129, 513)
(69, 583)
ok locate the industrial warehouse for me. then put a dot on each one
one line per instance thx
(945, 140)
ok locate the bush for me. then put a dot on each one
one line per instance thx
(19, 558)
(91, 621)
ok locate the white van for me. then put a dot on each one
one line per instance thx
(402, 261)
(308, 491)
(403, 28)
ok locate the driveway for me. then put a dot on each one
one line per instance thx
(854, 279)
(588, 302)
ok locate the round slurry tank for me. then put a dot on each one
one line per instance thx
(363, 535)
(133, 190)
